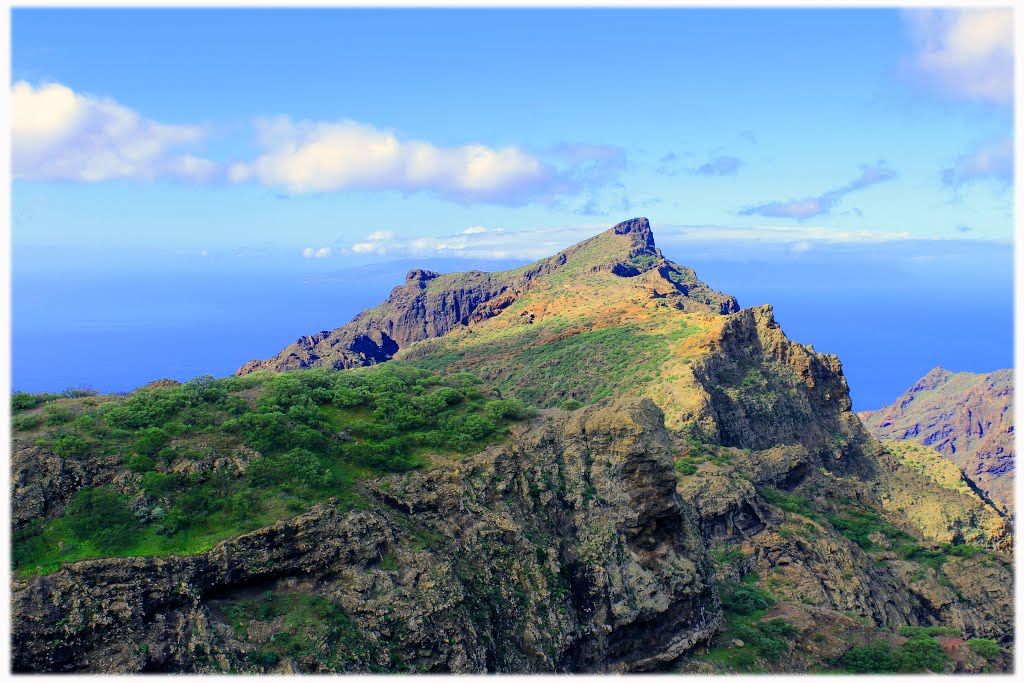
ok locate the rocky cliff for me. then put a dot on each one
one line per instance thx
(565, 549)
(965, 416)
(694, 494)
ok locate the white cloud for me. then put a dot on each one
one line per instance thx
(992, 161)
(58, 134)
(476, 242)
(809, 207)
(322, 252)
(311, 156)
(377, 242)
(968, 53)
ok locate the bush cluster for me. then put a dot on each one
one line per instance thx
(316, 431)
(769, 639)
(745, 599)
(919, 654)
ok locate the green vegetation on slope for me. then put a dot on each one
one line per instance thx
(192, 480)
(919, 654)
(749, 641)
(929, 463)
(556, 360)
(867, 529)
(310, 630)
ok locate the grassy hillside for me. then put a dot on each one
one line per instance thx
(178, 468)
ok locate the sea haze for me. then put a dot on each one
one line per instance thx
(890, 313)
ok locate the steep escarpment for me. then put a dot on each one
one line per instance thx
(566, 548)
(965, 416)
(761, 390)
(431, 305)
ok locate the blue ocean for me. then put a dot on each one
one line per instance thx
(890, 317)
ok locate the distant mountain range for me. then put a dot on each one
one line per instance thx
(966, 416)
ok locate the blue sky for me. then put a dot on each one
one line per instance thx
(246, 142)
(263, 128)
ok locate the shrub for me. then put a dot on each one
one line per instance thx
(150, 441)
(686, 468)
(139, 463)
(915, 553)
(102, 516)
(203, 389)
(769, 639)
(965, 551)
(160, 485)
(920, 654)
(298, 471)
(167, 454)
(789, 502)
(984, 647)
(70, 445)
(23, 401)
(192, 508)
(870, 659)
(57, 415)
(262, 432)
(859, 525)
(929, 631)
(80, 392)
(24, 423)
(262, 658)
(507, 409)
(745, 599)
(477, 427)
(318, 431)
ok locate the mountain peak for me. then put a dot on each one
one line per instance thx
(642, 237)
(616, 249)
(615, 271)
(639, 226)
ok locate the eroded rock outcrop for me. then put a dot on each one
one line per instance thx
(565, 549)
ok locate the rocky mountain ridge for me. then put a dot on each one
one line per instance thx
(965, 416)
(431, 305)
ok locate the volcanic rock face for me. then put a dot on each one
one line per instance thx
(565, 549)
(967, 417)
(766, 390)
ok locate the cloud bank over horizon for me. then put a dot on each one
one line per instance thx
(534, 244)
